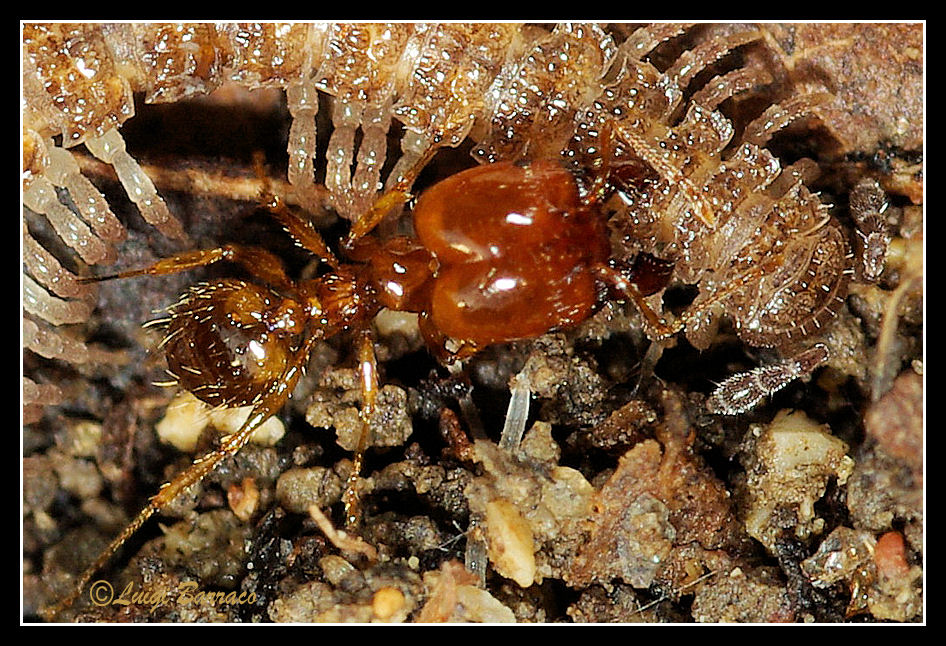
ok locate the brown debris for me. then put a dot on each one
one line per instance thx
(754, 597)
(616, 603)
(875, 573)
(886, 487)
(243, 498)
(453, 596)
(336, 405)
(788, 468)
(532, 513)
(895, 423)
(896, 594)
(657, 498)
(875, 72)
(345, 594)
(624, 427)
(340, 538)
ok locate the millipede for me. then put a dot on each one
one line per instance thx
(502, 190)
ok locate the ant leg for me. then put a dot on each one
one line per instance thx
(300, 229)
(368, 369)
(395, 196)
(743, 391)
(269, 405)
(259, 262)
(657, 327)
(437, 343)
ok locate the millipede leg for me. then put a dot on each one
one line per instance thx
(657, 160)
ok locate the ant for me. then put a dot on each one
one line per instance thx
(503, 251)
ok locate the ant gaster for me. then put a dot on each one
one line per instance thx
(502, 251)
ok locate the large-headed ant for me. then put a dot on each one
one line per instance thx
(503, 251)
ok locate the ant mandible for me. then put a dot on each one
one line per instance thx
(503, 251)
